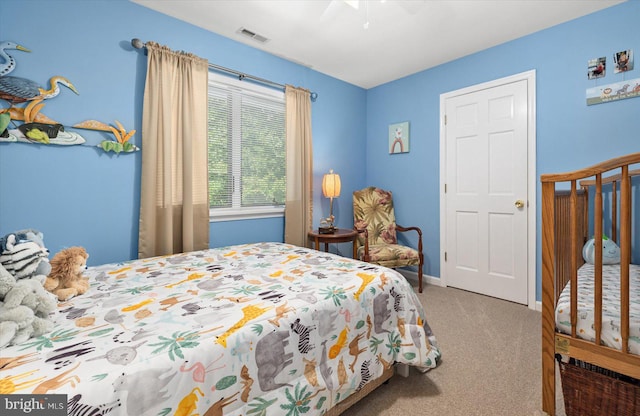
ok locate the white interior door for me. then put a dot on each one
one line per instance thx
(486, 191)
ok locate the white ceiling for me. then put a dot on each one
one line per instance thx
(403, 36)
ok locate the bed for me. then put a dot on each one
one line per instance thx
(590, 311)
(256, 329)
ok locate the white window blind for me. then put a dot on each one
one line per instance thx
(246, 149)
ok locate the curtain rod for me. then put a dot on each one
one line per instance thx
(138, 44)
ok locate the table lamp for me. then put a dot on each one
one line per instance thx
(330, 189)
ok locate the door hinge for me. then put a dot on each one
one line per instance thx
(445, 256)
(445, 119)
(445, 188)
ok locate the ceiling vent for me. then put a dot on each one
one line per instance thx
(253, 35)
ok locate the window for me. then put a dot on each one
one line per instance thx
(246, 149)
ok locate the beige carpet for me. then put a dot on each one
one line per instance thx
(490, 362)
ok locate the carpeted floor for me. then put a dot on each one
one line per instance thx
(490, 362)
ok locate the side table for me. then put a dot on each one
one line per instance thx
(341, 235)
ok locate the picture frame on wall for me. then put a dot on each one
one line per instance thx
(597, 68)
(623, 61)
(399, 138)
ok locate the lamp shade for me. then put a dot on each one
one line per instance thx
(331, 185)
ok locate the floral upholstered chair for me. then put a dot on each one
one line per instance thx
(374, 219)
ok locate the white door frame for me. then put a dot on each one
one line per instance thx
(530, 77)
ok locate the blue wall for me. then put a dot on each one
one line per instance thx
(82, 196)
(79, 195)
(570, 134)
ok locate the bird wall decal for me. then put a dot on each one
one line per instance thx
(36, 127)
(18, 89)
(9, 63)
(54, 90)
(36, 104)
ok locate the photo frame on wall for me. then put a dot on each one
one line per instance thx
(399, 138)
(597, 68)
(623, 61)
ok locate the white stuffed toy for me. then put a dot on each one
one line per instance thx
(7, 281)
(25, 307)
(16, 324)
(31, 293)
(13, 321)
(8, 331)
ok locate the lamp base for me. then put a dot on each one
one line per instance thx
(327, 230)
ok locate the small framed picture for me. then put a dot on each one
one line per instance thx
(399, 138)
(623, 61)
(597, 68)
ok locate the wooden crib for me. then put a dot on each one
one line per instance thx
(565, 228)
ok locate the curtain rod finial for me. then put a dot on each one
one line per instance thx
(137, 43)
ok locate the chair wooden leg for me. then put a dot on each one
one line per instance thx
(420, 278)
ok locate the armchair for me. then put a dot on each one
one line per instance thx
(377, 243)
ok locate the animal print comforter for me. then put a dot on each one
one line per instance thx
(257, 329)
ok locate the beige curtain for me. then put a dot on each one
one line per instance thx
(299, 200)
(174, 208)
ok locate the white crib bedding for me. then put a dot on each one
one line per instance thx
(610, 333)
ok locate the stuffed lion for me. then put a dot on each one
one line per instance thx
(66, 279)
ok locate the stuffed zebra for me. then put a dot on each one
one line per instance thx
(25, 260)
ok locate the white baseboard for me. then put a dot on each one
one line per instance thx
(413, 276)
(436, 281)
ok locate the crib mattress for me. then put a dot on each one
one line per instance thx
(610, 334)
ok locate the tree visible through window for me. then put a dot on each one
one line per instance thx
(246, 148)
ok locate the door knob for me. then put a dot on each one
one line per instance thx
(519, 203)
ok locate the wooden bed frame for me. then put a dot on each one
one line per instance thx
(565, 224)
(341, 407)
